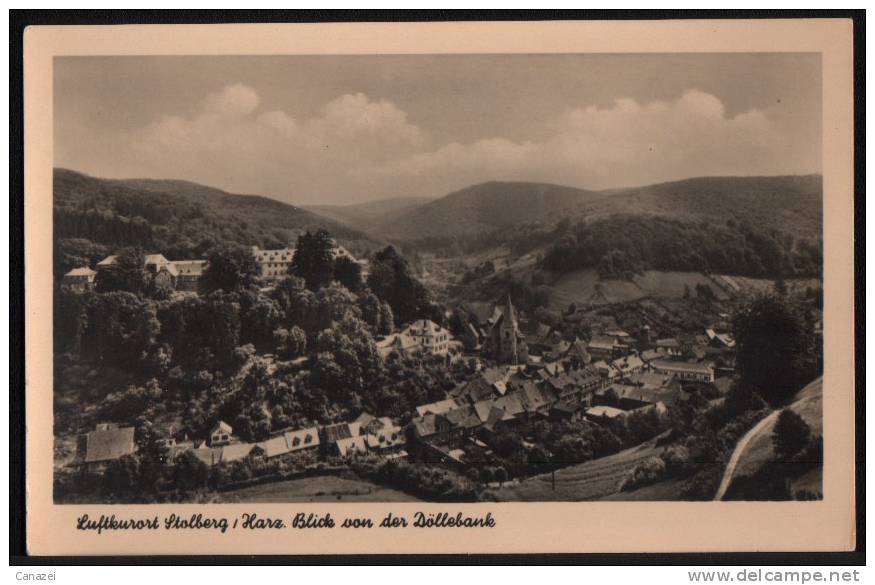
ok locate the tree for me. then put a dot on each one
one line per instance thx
(391, 279)
(775, 352)
(500, 475)
(189, 472)
(314, 258)
(387, 319)
(348, 273)
(126, 274)
(704, 292)
(230, 268)
(121, 474)
(791, 434)
(290, 343)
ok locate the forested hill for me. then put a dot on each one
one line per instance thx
(484, 208)
(93, 217)
(790, 203)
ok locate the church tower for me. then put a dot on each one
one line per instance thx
(508, 335)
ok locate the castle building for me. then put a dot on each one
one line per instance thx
(504, 342)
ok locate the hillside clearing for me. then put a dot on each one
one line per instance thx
(323, 488)
(592, 480)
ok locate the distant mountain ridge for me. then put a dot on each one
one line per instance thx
(792, 203)
(484, 208)
(365, 216)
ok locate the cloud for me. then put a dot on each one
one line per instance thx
(358, 148)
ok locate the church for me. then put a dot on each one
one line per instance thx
(504, 342)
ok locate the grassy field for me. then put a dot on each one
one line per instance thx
(592, 480)
(323, 488)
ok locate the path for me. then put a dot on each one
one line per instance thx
(736, 455)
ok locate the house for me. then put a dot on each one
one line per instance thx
(435, 429)
(335, 432)
(534, 399)
(565, 411)
(720, 340)
(388, 439)
(685, 371)
(504, 342)
(602, 347)
(605, 370)
(288, 442)
(79, 279)
(439, 407)
(578, 354)
(399, 343)
(649, 355)
(189, 273)
(668, 346)
(161, 270)
(274, 264)
(430, 336)
(628, 365)
(221, 434)
(349, 446)
(107, 442)
(302, 439)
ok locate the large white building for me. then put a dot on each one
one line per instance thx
(430, 336)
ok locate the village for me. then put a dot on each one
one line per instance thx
(523, 372)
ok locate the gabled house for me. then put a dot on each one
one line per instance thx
(430, 336)
(107, 442)
(79, 279)
(221, 434)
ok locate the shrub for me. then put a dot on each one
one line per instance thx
(649, 471)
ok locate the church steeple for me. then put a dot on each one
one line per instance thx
(510, 316)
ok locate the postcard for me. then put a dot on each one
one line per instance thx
(461, 287)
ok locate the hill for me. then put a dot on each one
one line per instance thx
(791, 203)
(367, 216)
(756, 451)
(485, 208)
(179, 219)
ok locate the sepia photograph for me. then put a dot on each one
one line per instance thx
(440, 288)
(448, 278)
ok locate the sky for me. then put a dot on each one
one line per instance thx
(349, 129)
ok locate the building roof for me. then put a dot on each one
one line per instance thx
(627, 363)
(351, 445)
(605, 411)
(236, 451)
(602, 342)
(650, 354)
(221, 426)
(439, 407)
(209, 455)
(400, 342)
(278, 255)
(190, 267)
(668, 342)
(81, 271)
(108, 444)
(274, 447)
(698, 367)
(339, 431)
(424, 328)
(302, 438)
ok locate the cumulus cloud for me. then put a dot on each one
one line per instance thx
(358, 148)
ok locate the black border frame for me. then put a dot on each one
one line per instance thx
(19, 20)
